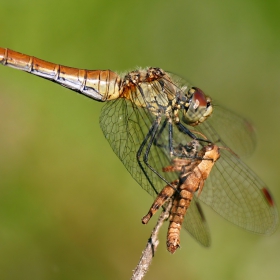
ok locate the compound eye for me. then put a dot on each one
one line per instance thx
(199, 108)
(199, 98)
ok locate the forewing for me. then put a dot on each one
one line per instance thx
(228, 129)
(238, 195)
(125, 126)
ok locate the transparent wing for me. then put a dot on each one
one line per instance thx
(227, 129)
(195, 223)
(125, 127)
(238, 195)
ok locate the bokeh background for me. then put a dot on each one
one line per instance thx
(68, 207)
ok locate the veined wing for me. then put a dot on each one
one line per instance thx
(125, 125)
(195, 223)
(228, 129)
(238, 195)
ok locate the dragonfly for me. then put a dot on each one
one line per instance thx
(150, 112)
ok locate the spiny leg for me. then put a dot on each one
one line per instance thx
(151, 131)
(185, 130)
(162, 197)
(148, 142)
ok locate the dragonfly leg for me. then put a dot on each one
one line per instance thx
(147, 142)
(185, 130)
(151, 131)
(156, 141)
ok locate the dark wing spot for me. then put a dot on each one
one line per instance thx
(268, 196)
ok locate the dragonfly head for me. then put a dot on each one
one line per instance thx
(198, 108)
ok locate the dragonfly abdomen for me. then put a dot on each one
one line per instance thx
(100, 85)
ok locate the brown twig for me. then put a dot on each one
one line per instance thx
(149, 252)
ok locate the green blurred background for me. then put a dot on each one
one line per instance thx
(68, 207)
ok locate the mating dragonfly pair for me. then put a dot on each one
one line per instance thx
(164, 132)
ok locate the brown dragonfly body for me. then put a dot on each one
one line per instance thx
(192, 174)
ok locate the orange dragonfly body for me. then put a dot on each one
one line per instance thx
(147, 114)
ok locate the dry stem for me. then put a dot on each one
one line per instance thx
(149, 252)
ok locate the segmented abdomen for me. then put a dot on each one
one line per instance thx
(100, 85)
